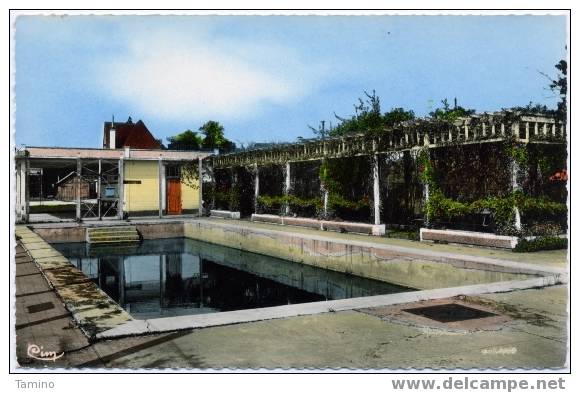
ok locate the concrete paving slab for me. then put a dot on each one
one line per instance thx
(31, 284)
(44, 253)
(93, 310)
(29, 241)
(36, 308)
(28, 236)
(53, 263)
(59, 336)
(26, 268)
(65, 276)
(38, 245)
(22, 259)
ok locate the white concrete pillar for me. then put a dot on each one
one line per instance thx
(18, 206)
(516, 186)
(324, 191)
(99, 185)
(256, 187)
(426, 200)
(376, 190)
(426, 195)
(78, 189)
(200, 182)
(160, 173)
(325, 202)
(287, 185)
(22, 192)
(527, 131)
(121, 190)
(26, 191)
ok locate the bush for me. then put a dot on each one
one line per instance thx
(541, 243)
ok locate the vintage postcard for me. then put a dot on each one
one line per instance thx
(297, 192)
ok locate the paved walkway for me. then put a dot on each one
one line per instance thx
(535, 337)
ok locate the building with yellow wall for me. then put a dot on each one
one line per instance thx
(142, 189)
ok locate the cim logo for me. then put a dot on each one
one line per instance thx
(38, 353)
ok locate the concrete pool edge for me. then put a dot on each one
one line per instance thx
(299, 248)
(89, 306)
(120, 323)
(156, 229)
(190, 322)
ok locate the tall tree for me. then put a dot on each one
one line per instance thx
(560, 85)
(367, 118)
(187, 140)
(450, 114)
(214, 137)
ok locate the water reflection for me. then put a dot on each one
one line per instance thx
(169, 277)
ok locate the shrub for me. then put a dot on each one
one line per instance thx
(541, 243)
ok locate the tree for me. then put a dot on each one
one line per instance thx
(560, 86)
(367, 118)
(187, 140)
(214, 137)
(450, 114)
(397, 115)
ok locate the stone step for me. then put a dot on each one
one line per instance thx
(101, 234)
(111, 229)
(112, 235)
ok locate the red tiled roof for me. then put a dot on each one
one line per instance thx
(135, 135)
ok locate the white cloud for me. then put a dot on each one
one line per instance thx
(174, 76)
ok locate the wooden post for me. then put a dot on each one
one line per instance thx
(121, 189)
(200, 182)
(78, 189)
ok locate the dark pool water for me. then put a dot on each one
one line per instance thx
(169, 277)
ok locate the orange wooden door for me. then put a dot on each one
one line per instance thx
(173, 196)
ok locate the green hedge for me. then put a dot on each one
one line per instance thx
(541, 243)
(501, 208)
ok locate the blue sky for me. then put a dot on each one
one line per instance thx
(266, 78)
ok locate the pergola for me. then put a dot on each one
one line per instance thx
(407, 136)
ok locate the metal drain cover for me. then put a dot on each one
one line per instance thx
(450, 312)
(40, 307)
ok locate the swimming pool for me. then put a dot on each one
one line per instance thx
(180, 276)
